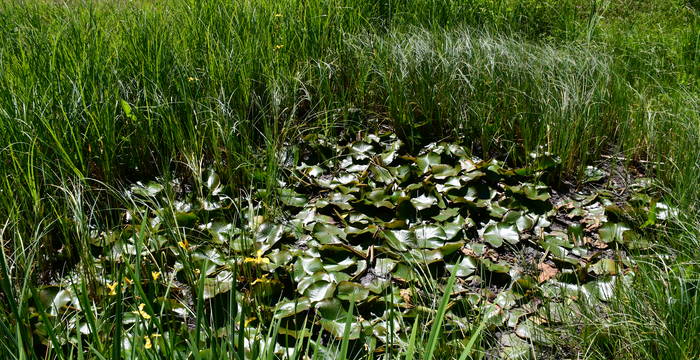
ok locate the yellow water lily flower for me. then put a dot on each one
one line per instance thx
(112, 288)
(184, 244)
(249, 320)
(155, 275)
(258, 259)
(142, 313)
(263, 279)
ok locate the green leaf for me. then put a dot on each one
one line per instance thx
(288, 308)
(290, 197)
(351, 291)
(424, 202)
(495, 234)
(429, 236)
(328, 234)
(616, 232)
(464, 268)
(334, 318)
(426, 161)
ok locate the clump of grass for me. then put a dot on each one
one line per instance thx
(120, 92)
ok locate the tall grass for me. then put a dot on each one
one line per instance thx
(123, 91)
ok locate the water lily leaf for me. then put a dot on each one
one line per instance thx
(288, 308)
(342, 248)
(339, 266)
(429, 236)
(493, 314)
(221, 232)
(404, 272)
(593, 174)
(530, 191)
(376, 284)
(443, 171)
(268, 235)
(351, 291)
(465, 267)
(534, 332)
(150, 189)
(360, 150)
(498, 267)
(290, 197)
(334, 319)
(340, 200)
(305, 266)
(400, 173)
(220, 284)
(381, 174)
(213, 183)
(555, 245)
(446, 214)
(328, 234)
(450, 183)
(496, 233)
(319, 290)
(384, 266)
(514, 348)
(616, 232)
(426, 161)
(429, 256)
(601, 290)
(424, 202)
(399, 240)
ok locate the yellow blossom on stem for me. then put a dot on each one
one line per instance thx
(142, 313)
(184, 244)
(277, 47)
(263, 279)
(155, 275)
(112, 288)
(258, 259)
(128, 281)
(249, 320)
(148, 344)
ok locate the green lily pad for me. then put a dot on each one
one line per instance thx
(496, 233)
(287, 308)
(290, 197)
(465, 267)
(614, 232)
(334, 319)
(425, 162)
(351, 291)
(328, 234)
(424, 202)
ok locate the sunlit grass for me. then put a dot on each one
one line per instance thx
(98, 95)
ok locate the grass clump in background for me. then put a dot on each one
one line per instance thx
(96, 96)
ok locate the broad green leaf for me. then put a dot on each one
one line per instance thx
(496, 233)
(351, 291)
(616, 232)
(328, 234)
(424, 202)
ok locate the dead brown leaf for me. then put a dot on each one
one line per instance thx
(546, 272)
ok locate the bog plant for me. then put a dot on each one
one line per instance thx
(365, 236)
